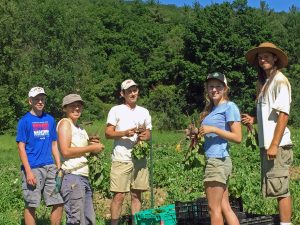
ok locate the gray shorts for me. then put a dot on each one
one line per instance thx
(218, 169)
(275, 173)
(78, 196)
(45, 177)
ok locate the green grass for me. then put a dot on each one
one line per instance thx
(9, 150)
(170, 177)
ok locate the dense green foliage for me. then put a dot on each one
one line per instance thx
(90, 47)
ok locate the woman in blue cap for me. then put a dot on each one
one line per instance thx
(220, 123)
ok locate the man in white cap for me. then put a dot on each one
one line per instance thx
(274, 137)
(37, 142)
(127, 174)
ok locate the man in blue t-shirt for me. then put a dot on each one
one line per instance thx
(37, 142)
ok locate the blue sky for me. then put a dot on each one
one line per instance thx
(277, 5)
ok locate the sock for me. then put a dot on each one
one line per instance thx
(282, 223)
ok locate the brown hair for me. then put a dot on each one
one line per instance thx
(262, 77)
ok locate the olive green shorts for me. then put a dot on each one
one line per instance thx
(125, 176)
(218, 169)
(275, 173)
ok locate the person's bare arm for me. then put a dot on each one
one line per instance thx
(30, 177)
(111, 133)
(234, 135)
(55, 154)
(64, 140)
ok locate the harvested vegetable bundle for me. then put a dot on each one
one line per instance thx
(194, 153)
(252, 137)
(95, 163)
(97, 171)
(141, 149)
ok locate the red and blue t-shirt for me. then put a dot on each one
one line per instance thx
(38, 133)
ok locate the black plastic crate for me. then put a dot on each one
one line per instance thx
(126, 220)
(196, 212)
(244, 218)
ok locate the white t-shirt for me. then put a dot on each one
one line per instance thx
(124, 118)
(277, 98)
(78, 165)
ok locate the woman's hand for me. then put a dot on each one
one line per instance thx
(204, 129)
(94, 139)
(96, 147)
(191, 132)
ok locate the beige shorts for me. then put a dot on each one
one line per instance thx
(275, 173)
(218, 169)
(125, 176)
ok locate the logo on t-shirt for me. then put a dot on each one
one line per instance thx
(40, 129)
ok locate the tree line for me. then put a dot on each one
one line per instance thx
(90, 46)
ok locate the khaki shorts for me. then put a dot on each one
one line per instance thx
(218, 169)
(125, 176)
(275, 173)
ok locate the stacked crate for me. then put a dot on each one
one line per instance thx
(196, 213)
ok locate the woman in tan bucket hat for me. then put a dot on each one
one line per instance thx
(273, 108)
(75, 145)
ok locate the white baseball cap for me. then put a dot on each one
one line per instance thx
(127, 84)
(36, 91)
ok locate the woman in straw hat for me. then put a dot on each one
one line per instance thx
(273, 108)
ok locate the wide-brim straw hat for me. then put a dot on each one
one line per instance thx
(251, 55)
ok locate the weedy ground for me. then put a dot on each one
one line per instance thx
(171, 181)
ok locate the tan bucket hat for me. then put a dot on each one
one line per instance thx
(251, 55)
(68, 99)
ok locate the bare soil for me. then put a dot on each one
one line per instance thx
(102, 205)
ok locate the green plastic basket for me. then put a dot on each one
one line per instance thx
(164, 215)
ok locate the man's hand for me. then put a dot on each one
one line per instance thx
(272, 152)
(143, 136)
(30, 178)
(247, 119)
(130, 132)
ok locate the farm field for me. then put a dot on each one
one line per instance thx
(171, 181)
